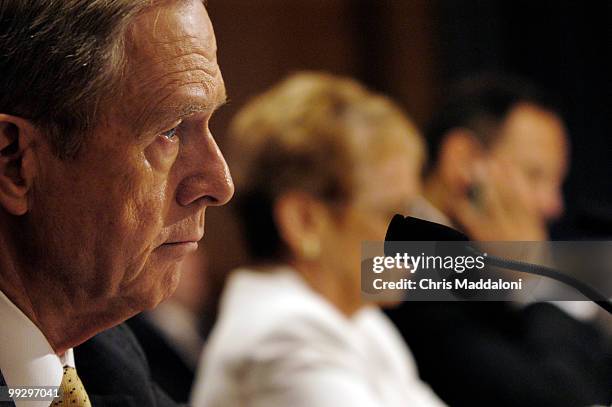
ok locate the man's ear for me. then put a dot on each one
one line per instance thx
(459, 153)
(298, 218)
(16, 163)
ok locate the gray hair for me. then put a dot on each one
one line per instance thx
(60, 60)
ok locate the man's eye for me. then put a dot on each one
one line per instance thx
(170, 134)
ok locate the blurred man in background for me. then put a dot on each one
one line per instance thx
(498, 156)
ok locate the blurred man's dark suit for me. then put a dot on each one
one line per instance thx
(495, 353)
(115, 371)
(504, 353)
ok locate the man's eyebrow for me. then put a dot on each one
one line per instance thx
(166, 115)
(194, 108)
(182, 111)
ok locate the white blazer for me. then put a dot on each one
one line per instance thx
(277, 343)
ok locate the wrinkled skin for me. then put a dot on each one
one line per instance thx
(107, 232)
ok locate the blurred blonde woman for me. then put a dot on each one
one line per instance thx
(320, 164)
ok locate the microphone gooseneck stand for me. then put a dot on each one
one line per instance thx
(414, 229)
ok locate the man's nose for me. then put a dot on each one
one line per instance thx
(209, 181)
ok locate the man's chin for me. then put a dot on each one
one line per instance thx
(165, 284)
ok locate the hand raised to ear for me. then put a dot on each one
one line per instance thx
(16, 166)
(502, 210)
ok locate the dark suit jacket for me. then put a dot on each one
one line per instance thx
(491, 353)
(168, 368)
(5, 403)
(115, 372)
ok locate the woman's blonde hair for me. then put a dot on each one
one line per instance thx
(308, 134)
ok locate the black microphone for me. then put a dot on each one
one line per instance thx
(410, 229)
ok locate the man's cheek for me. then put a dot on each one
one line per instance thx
(161, 155)
(140, 234)
(147, 215)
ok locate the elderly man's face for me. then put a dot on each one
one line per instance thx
(117, 221)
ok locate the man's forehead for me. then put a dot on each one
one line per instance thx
(172, 64)
(172, 29)
(533, 126)
(174, 100)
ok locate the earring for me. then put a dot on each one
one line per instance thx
(311, 248)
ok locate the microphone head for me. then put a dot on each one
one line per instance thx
(441, 243)
(410, 229)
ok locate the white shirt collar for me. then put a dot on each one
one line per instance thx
(26, 357)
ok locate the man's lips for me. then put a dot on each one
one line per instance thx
(183, 241)
(186, 242)
(180, 247)
(191, 238)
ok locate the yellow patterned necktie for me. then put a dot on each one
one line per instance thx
(72, 392)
